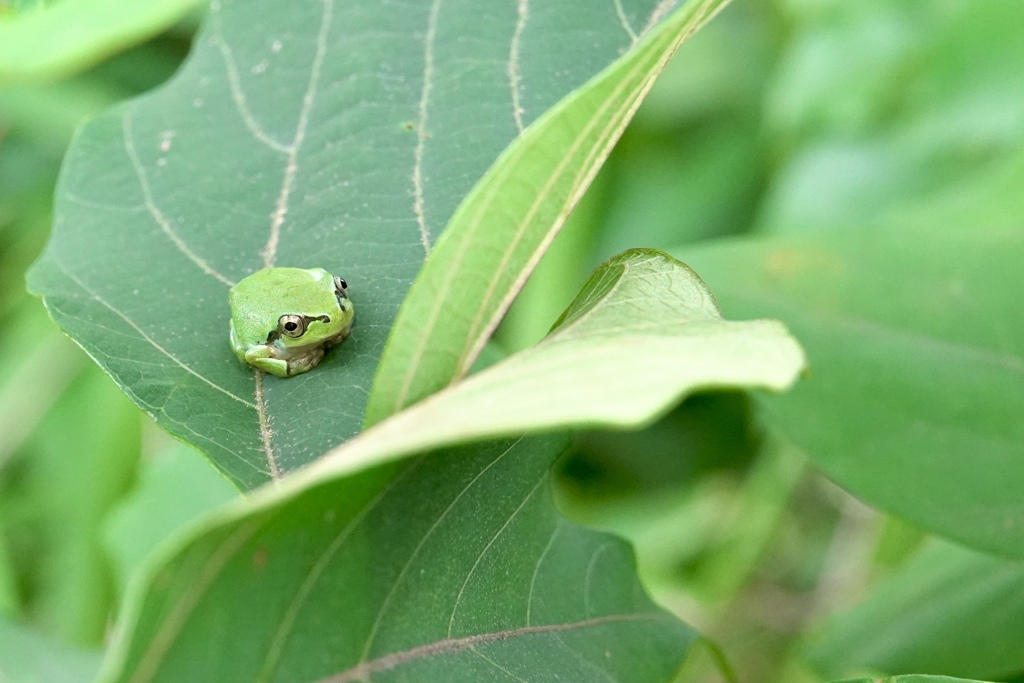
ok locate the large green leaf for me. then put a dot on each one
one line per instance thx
(950, 610)
(502, 230)
(457, 569)
(309, 133)
(425, 571)
(916, 348)
(643, 333)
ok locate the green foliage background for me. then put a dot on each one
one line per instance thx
(866, 147)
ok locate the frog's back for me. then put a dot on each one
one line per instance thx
(260, 299)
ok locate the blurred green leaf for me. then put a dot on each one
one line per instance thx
(757, 515)
(875, 104)
(916, 353)
(643, 333)
(83, 457)
(459, 569)
(986, 200)
(504, 226)
(27, 657)
(313, 134)
(10, 601)
(174, 490)
(721, 72)
(949, 610)
(41, 363)
(47, 115)
(45, 43)
(694, 185)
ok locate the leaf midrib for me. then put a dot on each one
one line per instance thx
(450, 645)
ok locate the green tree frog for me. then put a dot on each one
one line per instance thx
(283, 319)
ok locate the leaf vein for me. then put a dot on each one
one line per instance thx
(266, 434)
(536, 571)
(145, 336)
(514, 70)
(291, 167)
(496, 665)
(589, 574)
(661, 10)
(362, 671)
(487, 548)
(418, 206)
(291, 614)
(235, 85)
(624, 20)
(385, 604)
(154, 210)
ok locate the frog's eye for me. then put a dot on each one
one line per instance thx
(292, 325)
(340, 286)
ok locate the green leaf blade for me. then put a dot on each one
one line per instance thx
(455, 568)
(643, 333)
(324, 134)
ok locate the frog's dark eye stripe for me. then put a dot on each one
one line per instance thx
(294, 326)
(340, 287)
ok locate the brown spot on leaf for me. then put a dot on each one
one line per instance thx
(259, 558)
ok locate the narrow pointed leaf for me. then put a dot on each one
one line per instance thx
(306, 133)
(503, 228)
(453, 568)
(643, 333)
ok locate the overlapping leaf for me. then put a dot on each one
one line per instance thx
(312, 133)
(643, 332)
(456, 567)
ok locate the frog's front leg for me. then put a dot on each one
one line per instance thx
(262, 357)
